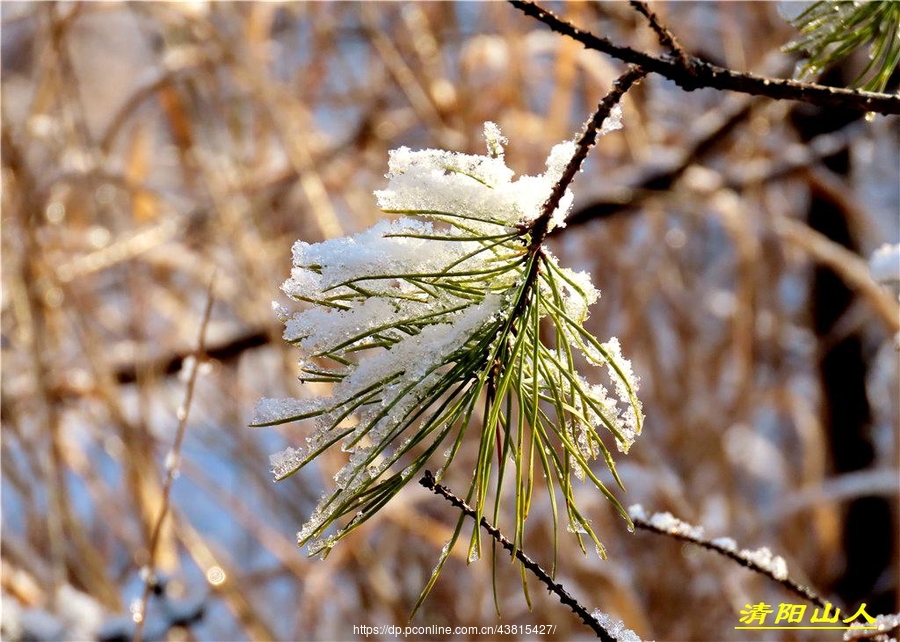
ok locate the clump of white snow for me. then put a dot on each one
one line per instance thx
(885, 264)
(671, 524)
(615, 627)
(472, 191)
(637, 512)
(882, 624)
(725, 543)
(764, 559)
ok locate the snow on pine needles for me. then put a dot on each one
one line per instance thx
(421, 319)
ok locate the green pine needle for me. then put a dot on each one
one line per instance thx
(833, 30)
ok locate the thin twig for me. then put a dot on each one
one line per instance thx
(541, 225)
(787, 582)
(631, 196)
(172, 467)
(666, 37)
(429, 482)
(700, 74)
(588, 137)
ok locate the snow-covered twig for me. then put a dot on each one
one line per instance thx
(760, 560)
(887, 629)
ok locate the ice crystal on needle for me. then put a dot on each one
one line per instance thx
(418, 319)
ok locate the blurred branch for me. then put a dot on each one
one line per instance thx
(846, 264)
(269, 537)
(844, 488)
(170, 364)
(32, 323)
(167, 364)
(429, 482)
(233, 589)
(795, 158)
(172, 467)
(402, 73)
(73, 554)
(291, 119)
(696, 73)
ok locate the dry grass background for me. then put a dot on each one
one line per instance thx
(149, 148)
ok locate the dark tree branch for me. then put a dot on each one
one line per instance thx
(169, 364)
(666, 37)
(429, 482)
(540, 227)
(592, 127)
(698, 74)
(630, 197)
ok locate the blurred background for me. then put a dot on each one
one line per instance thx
(151, 148)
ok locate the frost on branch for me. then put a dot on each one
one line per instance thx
(761, 558)
(614, 627)
(418, 319)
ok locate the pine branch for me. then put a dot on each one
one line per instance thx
(831, 31)
(541, 226)
(697, 73)
(418, 324)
